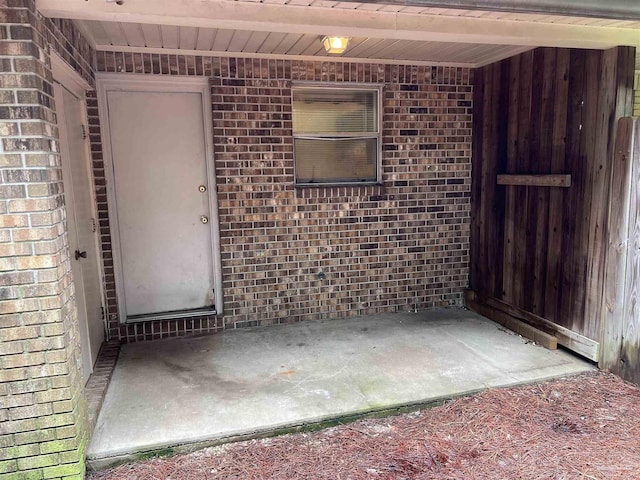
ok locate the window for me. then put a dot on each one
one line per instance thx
(336, 134)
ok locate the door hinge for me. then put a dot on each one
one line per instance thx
(84, 131)
(93, 225)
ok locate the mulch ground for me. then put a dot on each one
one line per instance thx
(584, 427)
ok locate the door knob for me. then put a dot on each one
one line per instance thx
(78, 254)
(202, 188)
(204, 219)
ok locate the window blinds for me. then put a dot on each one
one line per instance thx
(336, 134)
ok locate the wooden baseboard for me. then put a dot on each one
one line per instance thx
(501, 312)
(521, 328)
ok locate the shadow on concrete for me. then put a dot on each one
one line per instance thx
(180, 394)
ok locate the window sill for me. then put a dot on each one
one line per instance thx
(338, 184)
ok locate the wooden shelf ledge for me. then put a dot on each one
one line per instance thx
(561, 180)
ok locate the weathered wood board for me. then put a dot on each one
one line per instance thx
(513, 323)
(621, 315)
(563, 336)
(541, 180)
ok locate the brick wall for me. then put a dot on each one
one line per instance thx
(66, 40)
(398, 246)
(43, 423)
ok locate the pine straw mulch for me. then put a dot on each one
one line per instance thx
(584, 427)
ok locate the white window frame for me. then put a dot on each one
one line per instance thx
(378, 135)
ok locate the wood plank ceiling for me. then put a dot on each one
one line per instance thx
(112, 35)
(119, 34)
(527, 17)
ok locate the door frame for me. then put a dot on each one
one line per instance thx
(118, 82)
(70, 80)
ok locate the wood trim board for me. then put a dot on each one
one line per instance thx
(551, 180)
(496, 309)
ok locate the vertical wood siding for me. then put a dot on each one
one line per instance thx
(542, 249)
(621, 339)
(636, 95)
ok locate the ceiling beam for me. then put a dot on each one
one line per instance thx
(610, 9)
(273, 56)
(325, 21)
(485, 60)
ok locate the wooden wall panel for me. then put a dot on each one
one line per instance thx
(568, 309)
(507, 259)
(547, 111)
(628, 364)
(555, 232)
(621, 318)
(543, 152)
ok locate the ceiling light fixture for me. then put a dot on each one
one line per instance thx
(335, 45)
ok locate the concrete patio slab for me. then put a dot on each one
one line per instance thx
(244, 383)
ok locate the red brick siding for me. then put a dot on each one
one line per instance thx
(400, 245)
(65, 39)
(43, 412)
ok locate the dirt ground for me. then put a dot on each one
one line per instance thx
(584, 427)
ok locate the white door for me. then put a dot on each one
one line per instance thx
(81, 224)
(162, 200)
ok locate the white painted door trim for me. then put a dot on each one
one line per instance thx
(107, 82)
(67, 78)
(78, 86)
